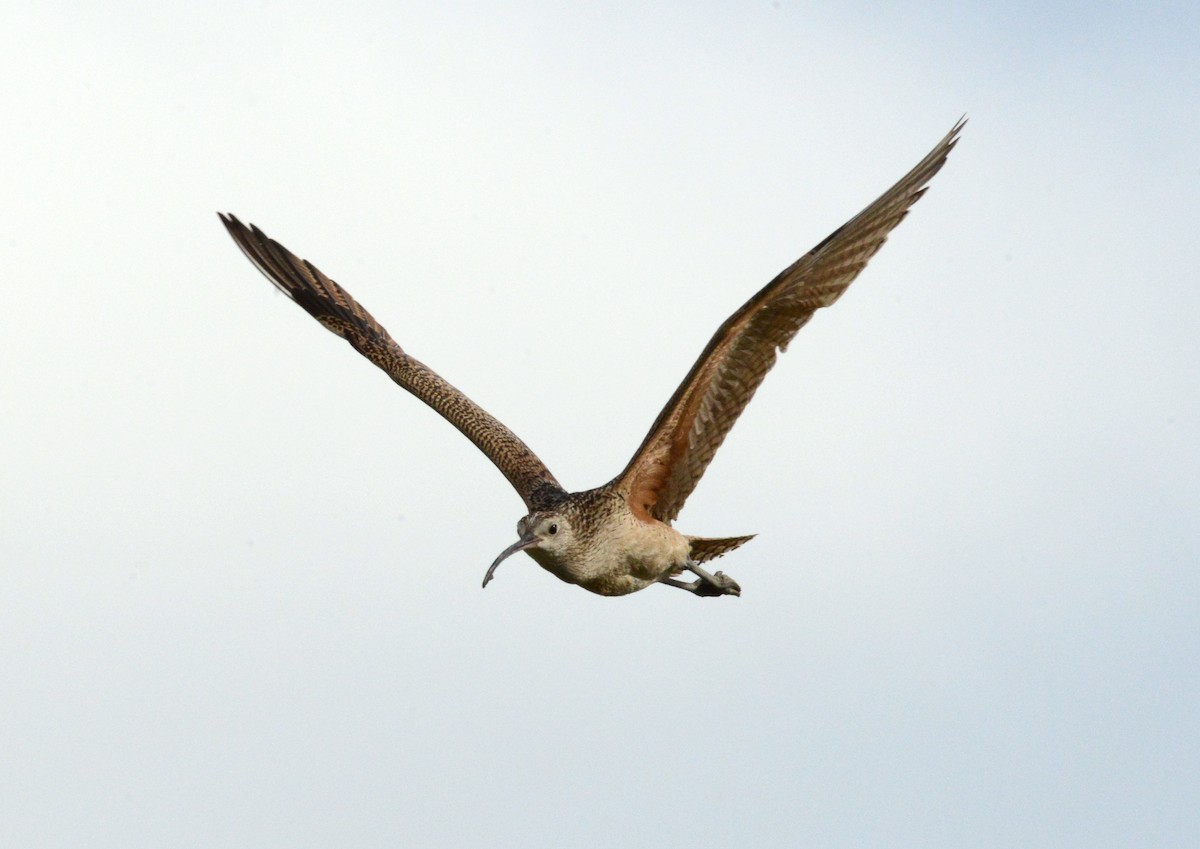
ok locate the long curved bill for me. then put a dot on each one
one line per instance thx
(520, 545)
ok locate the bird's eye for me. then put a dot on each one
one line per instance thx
(553, 529)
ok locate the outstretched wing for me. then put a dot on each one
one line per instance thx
(333, 306)
(690, 429)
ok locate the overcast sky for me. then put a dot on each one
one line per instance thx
(241, 602)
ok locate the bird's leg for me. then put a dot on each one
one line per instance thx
(705, 583)
(693, 587)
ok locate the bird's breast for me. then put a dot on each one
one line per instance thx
(623, 556)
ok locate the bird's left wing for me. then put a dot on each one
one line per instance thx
(690, 429)
(333, 306)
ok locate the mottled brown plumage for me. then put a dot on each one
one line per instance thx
(690, 429)
(333, 306)
(617, 538)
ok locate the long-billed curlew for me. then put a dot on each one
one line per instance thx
(617, 538)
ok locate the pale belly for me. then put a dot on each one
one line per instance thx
(633, 555)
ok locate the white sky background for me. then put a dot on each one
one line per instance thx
(241, 569)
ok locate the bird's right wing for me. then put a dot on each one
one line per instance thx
(333, 306)
(690, 429)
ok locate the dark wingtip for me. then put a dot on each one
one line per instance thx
(232, 225)
(953, 136)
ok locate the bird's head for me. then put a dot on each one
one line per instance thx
(546, 534)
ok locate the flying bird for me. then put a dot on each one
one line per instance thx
(618, 538)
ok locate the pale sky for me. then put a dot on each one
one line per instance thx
(241, 569)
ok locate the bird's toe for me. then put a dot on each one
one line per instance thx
(727, 585)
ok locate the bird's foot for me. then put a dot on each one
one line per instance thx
(718, 584)
(706, 584)
(713, 585)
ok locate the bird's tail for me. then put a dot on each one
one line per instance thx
(704, 549)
